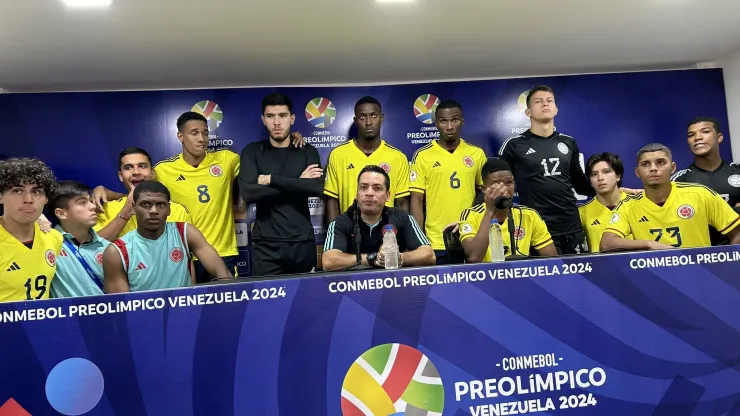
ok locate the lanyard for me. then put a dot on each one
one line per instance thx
(71, 247)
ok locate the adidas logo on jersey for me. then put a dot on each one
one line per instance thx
(436, 165)
(530, 151)
(180, 178)
(643, 219)
(596, 222)
(63, 253)
(140, 266)
(13, 267)
(351, 166)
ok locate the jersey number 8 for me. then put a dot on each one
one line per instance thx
(203, 195)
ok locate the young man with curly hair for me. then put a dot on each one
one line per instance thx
(27, 255)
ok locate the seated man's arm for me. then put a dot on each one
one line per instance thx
(419, 249)
(115, 277)
(206, 254)
(613, 237)
(474, 235)
(723, 217)
(338, 239)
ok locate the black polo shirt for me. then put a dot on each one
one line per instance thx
(340, 234)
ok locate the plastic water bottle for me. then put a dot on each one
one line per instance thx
(390, 247)
(495, 242)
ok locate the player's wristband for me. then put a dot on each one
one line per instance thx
(123, 218)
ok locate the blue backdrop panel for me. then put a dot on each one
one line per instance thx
(81, 134)
(630, 334)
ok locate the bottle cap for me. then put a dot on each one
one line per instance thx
(494, 221)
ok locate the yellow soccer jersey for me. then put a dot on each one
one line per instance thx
(347, 160)
(178, 213)
(594, 218)
(207, 193)
(682, 221)
(531, 230)
(449, 181)
(26, 273)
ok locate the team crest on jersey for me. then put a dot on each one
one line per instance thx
(519, 233)
(563, 148)
(685, 211)
(216, 171)
(386, 167)
(734, 180)
(99, 257)
(466, 229)
(468, 161)
(176, 255)
(413, 175)
(51, 258)
(615, 218)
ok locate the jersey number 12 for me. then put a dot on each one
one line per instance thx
(555, 164)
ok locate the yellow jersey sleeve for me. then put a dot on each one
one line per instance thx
(331, 187)
(540, 235)
(178, 213)
(481, 156)
(235, 165)
(402, 189)
(110, 210)
(469, 222)
(619, 223)
(417, 176)
(720, 215)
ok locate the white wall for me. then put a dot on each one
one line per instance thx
(731, 68)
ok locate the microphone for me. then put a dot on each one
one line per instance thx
(502, 202)
(358, 234)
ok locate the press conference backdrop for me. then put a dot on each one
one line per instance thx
(640, 334)
(81, 134)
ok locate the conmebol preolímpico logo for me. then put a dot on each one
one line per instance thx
(424, 107)
(392, 379)
(211, 111)
(320, 112)
(521, 102)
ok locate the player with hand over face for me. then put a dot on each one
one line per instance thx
(474, 225)
(157, 255)
(667, 214)
(28, 257)
(117, 217)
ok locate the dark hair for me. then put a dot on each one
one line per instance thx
(447, 104)
(494, 164)
(151, 186)
(132, 151)
(611, 159)
(538, 88)
(19, 171)
(654, 147)
(189, 116)
(65, 191)
(276, 99)
(698, 120)
(376, 169)
(367, 100)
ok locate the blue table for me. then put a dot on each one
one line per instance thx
(621, 334)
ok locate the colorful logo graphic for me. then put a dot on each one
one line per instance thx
(99, 257)
(176, 255)
(51, 258)
(685, 211)
(424, 107)
(386, 167)
(216, 171)
(519, 233)
(521, 102)
(211, 111)
(468, 161)
(392, 379)
(320, 112)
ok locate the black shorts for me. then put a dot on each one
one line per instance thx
(271, 257)
(573, 243)
(202, 275)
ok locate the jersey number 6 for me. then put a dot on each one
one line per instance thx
(454, 181)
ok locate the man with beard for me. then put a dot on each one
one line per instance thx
(367, 149)
(280, 177)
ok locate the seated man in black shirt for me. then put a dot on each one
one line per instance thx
(369, 210)
(280, 178)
